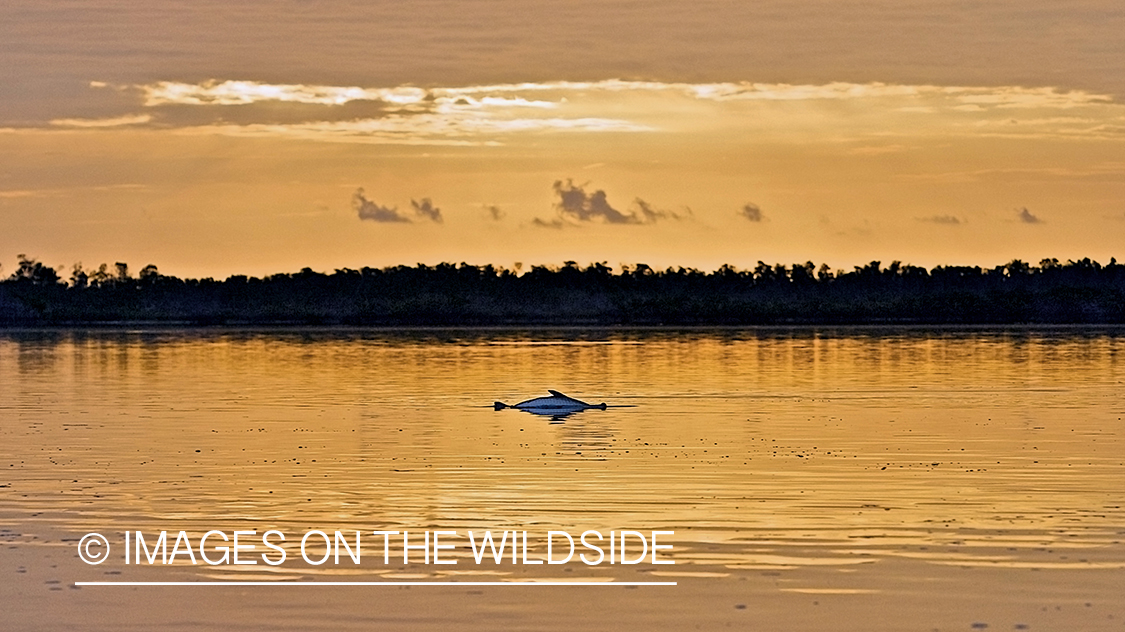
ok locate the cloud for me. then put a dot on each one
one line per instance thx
(1027, 217)
(475, 115)
(948, 220)
(651, 214)
(374, 212)
(751, 212)
(425, 208)
(366, 209)
(575, 206)
(555, 223)
(405, 115)
(574, 203)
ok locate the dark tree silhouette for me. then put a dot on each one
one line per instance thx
(447, 294)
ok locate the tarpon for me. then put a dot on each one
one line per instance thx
(557, 403)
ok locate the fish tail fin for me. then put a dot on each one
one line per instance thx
(499, 406)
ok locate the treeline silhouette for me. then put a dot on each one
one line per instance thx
(461, 294)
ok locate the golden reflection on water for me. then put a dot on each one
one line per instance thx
(765, 449)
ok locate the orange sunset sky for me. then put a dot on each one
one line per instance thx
(215, 138)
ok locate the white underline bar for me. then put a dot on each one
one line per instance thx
(295, 583)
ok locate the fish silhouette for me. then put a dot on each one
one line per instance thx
(556, 404)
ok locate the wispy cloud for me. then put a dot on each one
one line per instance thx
(245, 92)
(118, 121)
(877, 150)
(1027, 217)
(22, 193)
(948, 220)
(982, 97)
(1104, 170)
(451, 103)
(420, 129)
(1011, 97)
(72, 191)
(752, 212)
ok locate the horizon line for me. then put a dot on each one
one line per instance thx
(375, 583)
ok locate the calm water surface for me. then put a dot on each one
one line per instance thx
(766, 449)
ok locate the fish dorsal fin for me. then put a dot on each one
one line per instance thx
(567, 398)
